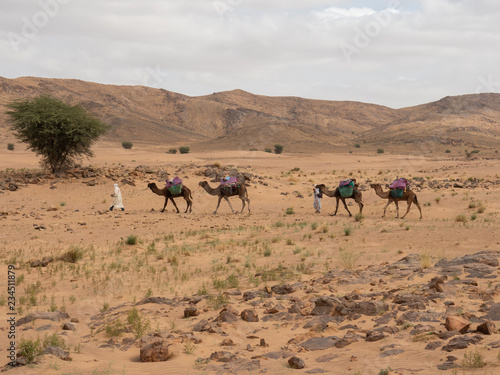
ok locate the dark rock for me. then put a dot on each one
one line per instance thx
(249, 315)
(296, 363)
(58, 352)
(55, 316)
(286, 288)
(222, 356)
(493, 313)
(69, 327)
(191, 311)
(347, 340)
(317, 371)
(434, 345)
(202, 326)
(447, 334)
(319, 321)
(391, 352)
(461, 342)
(327, 357)
(324, 305)
(319, 343)
(227, 342)
(375, 336)
(488, 328)
(419, 316)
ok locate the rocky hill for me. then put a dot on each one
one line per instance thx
(240, 120)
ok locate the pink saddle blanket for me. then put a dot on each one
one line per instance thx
(400, 183)
(174, 182)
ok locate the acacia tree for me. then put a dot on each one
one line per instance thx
(58, 132)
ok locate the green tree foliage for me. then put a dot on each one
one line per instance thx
(184, 150)
(127, 145)
(59, 132)
(278, 149)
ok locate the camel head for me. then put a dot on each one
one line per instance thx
(203, 183)
(151, 185)
(321, 186)
(375, 185)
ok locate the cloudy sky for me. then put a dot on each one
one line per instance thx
(396, 53)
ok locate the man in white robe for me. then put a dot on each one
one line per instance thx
(117, 199)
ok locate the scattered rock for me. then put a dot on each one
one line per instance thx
(156, 351)
(296, 363)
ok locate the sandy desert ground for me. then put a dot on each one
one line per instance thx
(208, 261)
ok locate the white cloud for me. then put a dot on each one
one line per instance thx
(282, 47)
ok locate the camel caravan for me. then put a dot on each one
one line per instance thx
(399, 190)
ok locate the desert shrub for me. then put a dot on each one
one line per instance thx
(54, 340)
(448, 152)
(347, 230)
(140, 326)
(278, 149)
(348, 258)
(115, 328)
(30, 348)
(254, 149)
(359, 216)
(357, 145)
(473, 360)
(10, 146)
(289, 211)
(380, 151)
(172, 151)
(268, 150)
(461, 218)
(73, 255)
(127, 145)
(425, 260)
(131, 239)
(184, 150)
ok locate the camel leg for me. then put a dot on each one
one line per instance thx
(189, 204)
(218, 204)
(248, 202)
(397, 209)
(385, 208)
(229, 203)
(345, 205)
(336, 207)
(173, 202)
(361, 205)
(165, 205)
(243, 206)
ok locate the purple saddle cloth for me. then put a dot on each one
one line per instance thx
(400, 183)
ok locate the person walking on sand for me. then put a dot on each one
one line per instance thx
(317, 199)
(117, 199)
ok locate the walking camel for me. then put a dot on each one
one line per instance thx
(356, 195)
(409, 196)
(185, 193)
(221, 192)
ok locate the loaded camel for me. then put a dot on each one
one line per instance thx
(409, 196)
(356, 195)
(185, 193)
(240, 190)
